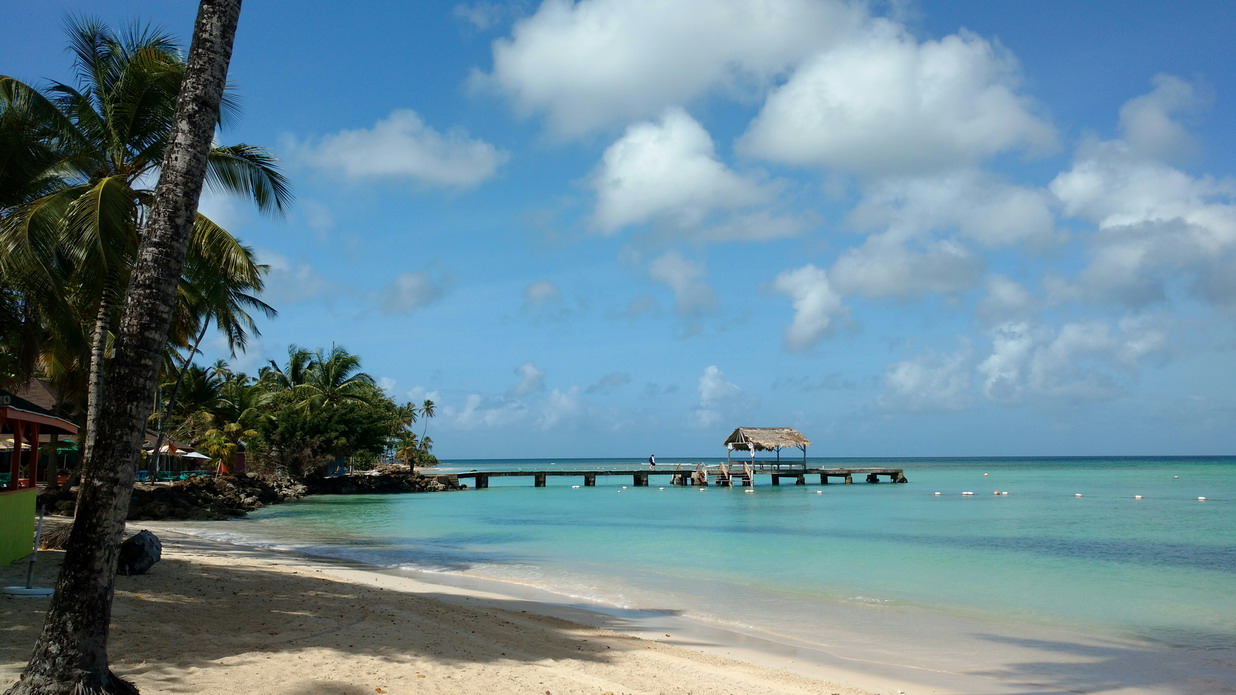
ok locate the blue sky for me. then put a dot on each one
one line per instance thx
(613, 228)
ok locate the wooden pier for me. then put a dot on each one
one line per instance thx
(700, 475)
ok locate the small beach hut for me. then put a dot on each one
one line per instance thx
(753, 439)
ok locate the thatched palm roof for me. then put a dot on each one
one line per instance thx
(767, 438)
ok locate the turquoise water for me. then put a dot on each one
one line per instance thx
(1162, 568)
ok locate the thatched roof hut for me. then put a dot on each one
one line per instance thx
(755, 439)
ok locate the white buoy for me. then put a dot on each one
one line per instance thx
(1201, 499)
(660, 488)
(819, 492)
(1077, 494)
(984, 475)
(967, 493)
(1004, 492)
(574, 487)
(996, 493)
(1137, 497)
(937, 494)
(749, 492)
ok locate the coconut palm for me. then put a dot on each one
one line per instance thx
(71, 652)
(333, 377)
(102, 142)
(427, 410)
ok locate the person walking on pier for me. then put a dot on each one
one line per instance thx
(652, 461)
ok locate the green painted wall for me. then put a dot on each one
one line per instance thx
(16, 524)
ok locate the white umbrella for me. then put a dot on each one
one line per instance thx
(195, 455)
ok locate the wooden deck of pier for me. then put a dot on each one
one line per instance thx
(699, 475)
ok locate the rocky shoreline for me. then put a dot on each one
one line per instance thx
(230, 496)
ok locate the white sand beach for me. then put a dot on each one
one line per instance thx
(214, 618)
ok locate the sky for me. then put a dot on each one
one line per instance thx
(612, 228)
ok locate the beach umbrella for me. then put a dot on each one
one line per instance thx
(195, 455)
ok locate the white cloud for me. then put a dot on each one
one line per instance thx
(715, 394)
(480, 412)
(560, 407)
(419, 394)
(540, 293)
(883, 103)
(815, 304)
(1148, 123)
(929, 383)
(289, 281)
(1154, 222)
(1006, 301)
(484, 16)
(977, 205)
(692, 293)
(532, 379)
(667, 170)
(403, 146)
(409, 291)
(1078, 362)
(601, 63)
(884, 267)
(713, 387)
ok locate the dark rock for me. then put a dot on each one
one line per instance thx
(139, 553)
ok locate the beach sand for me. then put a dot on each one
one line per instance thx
(218, 618)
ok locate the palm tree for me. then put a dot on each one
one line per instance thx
(108, 137)
(71, 652)
(427, 409)
(332, 378)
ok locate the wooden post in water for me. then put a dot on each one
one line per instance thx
(823, 478)
(482, 481)
(590, 480)
(849, 479)
(641, 480)
(800, 479)
(540, 480)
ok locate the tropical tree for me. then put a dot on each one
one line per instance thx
(332, 378)
(428, 409)
(101, 142)
(71, 652)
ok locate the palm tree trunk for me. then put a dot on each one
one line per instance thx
(98, 357)
(71, 653)
(171, 399)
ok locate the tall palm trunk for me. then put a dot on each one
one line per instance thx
(71, 653)
(98, 358)
(171, 399)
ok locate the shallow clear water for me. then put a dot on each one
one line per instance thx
(1162, 568)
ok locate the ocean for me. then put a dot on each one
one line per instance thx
(1089, 575)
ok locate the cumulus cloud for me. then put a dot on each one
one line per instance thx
(532, 379)
(288, 281)
(1080, 361)
(409, 291)
(929, 383)
(596, 64)
(478, 411)
(692, 293)
(815, 303)
(1154, 221)
(559, 407)
(667, 170)
(1006, 300)
(483, 16)
(402, 146)
(883, 103)
(1150, 125)
(714, 392)
(885, 267)
(976, 205)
